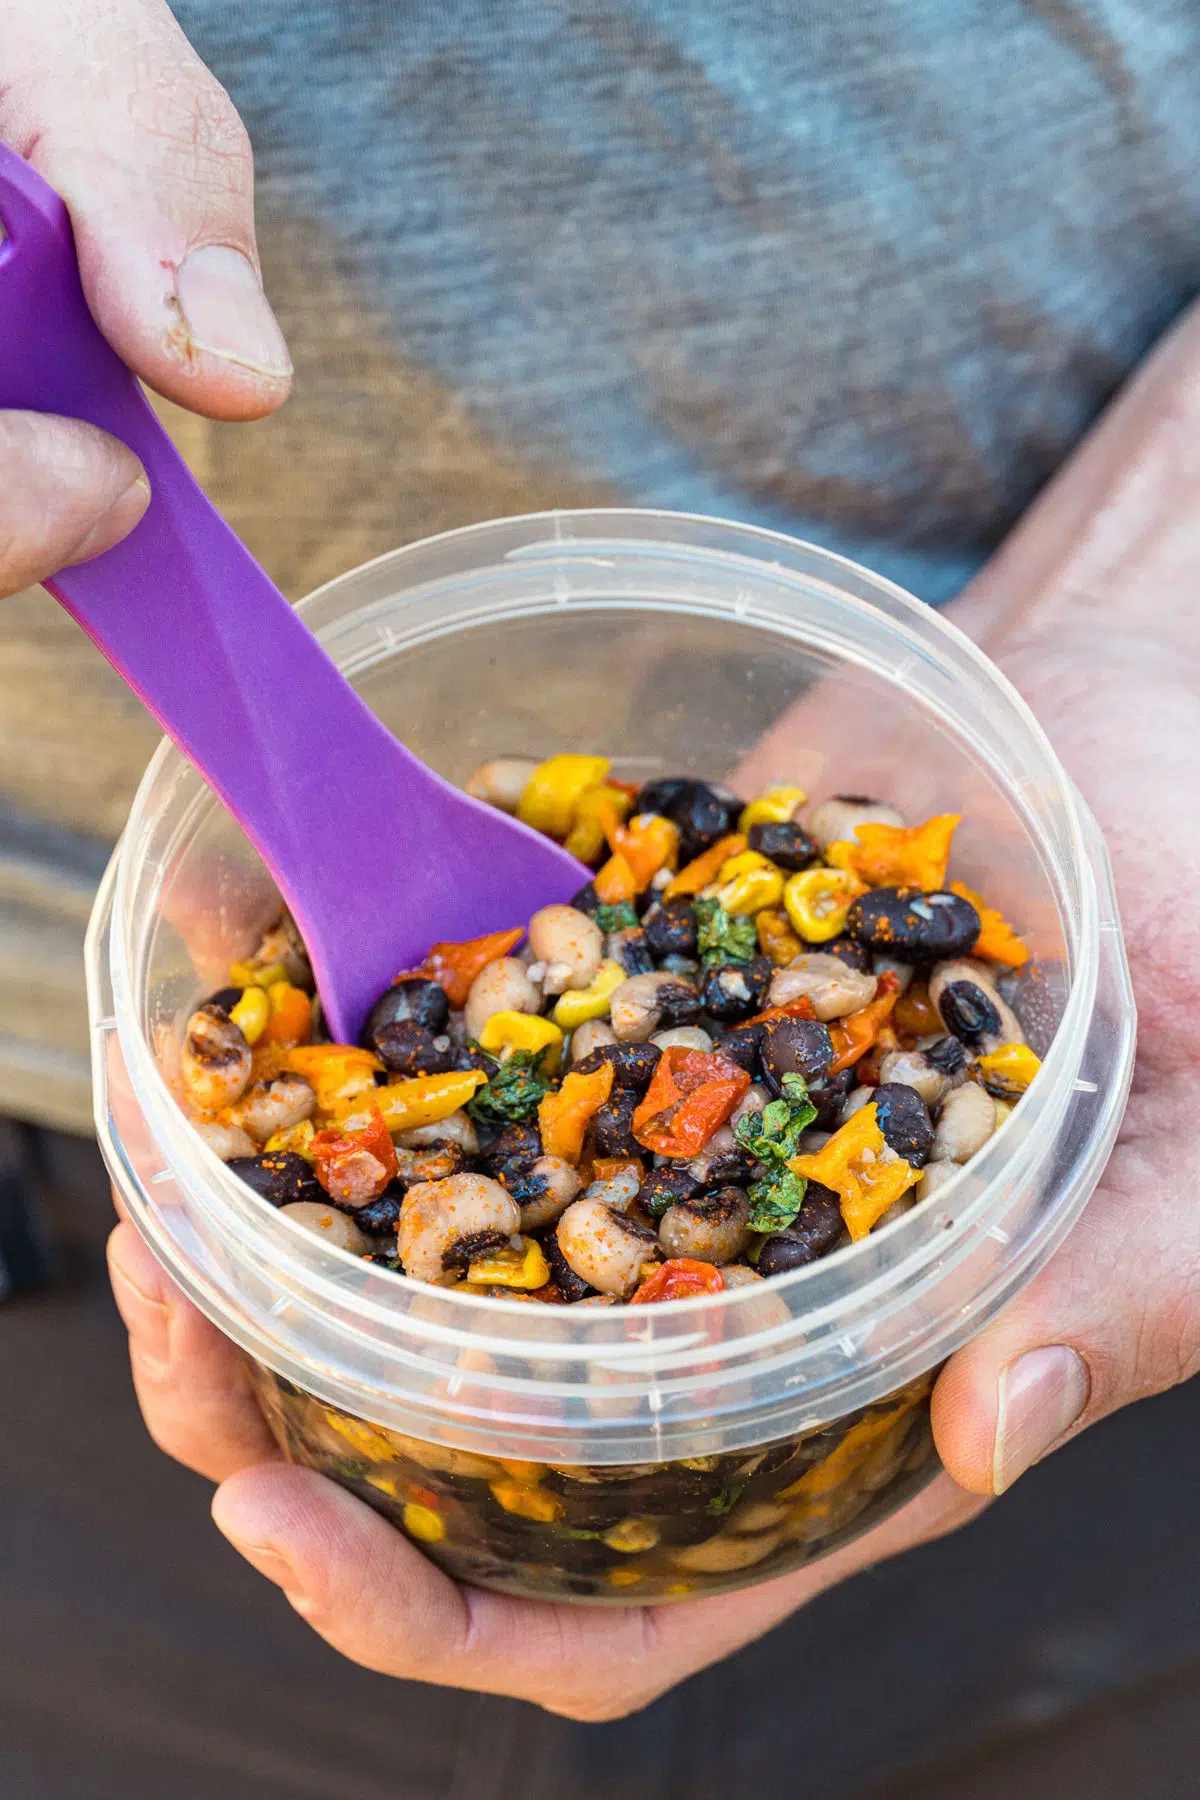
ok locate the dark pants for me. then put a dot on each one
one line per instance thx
(1052, 1651)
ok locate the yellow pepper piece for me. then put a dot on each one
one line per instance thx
(997, 940)
(615, 881)
(900, 855)
(578, 1005)
(705, 868)
(749, 882)
(246, 974)
(527, 1502)
(297, 1139)
(528, 1472)
(817, 901)
(555, 789)
(423, 1101)
(593, 815)
(524, 1031)
(853, 1164)
(422, 1523)
(1008, 1070)
(360, 1436)
(631, 1536)
(774, 806)
(624, 1577)
(776, 938)
(251, 1013)
(526, 1268)
(336, 1072)
(565, 1116)
(847, 1457)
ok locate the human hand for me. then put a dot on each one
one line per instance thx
(106, 99)
(1072, 611)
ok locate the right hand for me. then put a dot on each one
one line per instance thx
(107, 100)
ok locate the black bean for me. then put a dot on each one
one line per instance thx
(742, 1046)
(659, 796)
(678, 1004)
(969, 1013)
(846, 950)
(587, 899)
(413, 998)
(732, 991)
(827, 1097)
(612, 1125)
(383, 1214)
(409, 1049)
(814, 1231)
(666, 1187)
(702, 813)
(469, 1057)
(633, 1064)
(513, 1146)
(280, 1177)
(571, 1286)
(795, 1047)
(632, 950)
(947, 1055)
(787, 844)
(225, 999)
(436, 1162)
(904, 1120)
(734, 1167)
(908, 923)
(671, 930)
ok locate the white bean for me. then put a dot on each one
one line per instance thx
(837, 820)
(683, 1037)
(502, 781)
(965, 1123)
(284, 945)
(569, 943)
(854, 1102)
(226, 1141)
(834, 988)
(602, 1248)
(635, 1009)
(500, 986)
(912, 1068)
(440, 1220)
(591, 1035)
(271, 1106)
(455, 1128)
(328, 1223)
(215, 1060)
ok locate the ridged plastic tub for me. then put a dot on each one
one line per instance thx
(609, 1453)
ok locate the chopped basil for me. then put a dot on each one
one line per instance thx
(771, 1137)
(724, 937)
(514, 1091)
(621, 917)
(775, 1200)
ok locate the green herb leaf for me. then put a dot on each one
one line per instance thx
(772, 1135)
(775, 1200)
(723, 937)
(725, 1501)
(620, 917)
(513, 1093)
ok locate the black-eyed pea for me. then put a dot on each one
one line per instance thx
(592, 1035)
(504, 985)
(327, 1223)
(837, 820)
(726, 1554)
(215, 1060)
(569, 943)
(274, 1105)
(971, 1007)
(934, 1177)
(456, 1128)
(965, 1122)
(710, 1228)
(683, 1037)
(833, 987)
(226, 1141)
(602, 1248)
(502, 781)
(443, 1224)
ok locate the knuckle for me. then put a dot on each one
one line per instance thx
(1167, 1340)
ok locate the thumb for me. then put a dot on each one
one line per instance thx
(108, 101)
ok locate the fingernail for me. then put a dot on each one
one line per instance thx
(117, 523)
(146, 1319)
(1041, 1396)
(224, 312)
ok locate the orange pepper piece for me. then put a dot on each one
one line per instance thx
(776, 938)
(997, 941)
(682, 1278)
(915, 1015)
(648, 843)
(854, 1035)
(455, 966)
(564, 1116)
(902, 855)
(852, 1164)
(801, 1008)
(290, 1019)
(691, 1096)
(616, 881)
(704, 868)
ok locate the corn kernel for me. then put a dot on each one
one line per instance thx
(677, 1589)
(751, 891)
(525, 1268)
(527, 1502)
(422, 1523)
(386, 1484)
(577, 1006)
(774, 806)
(1008, 1070)
(297, 1139)
(555, 789)
(524, 1031)
(817, 901)
(246, 974)
(624, 1577)
(251, 1013)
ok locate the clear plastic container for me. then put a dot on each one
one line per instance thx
(614, 1453)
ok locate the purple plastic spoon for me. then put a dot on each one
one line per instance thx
(213, 649)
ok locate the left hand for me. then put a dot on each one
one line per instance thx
(1090, 609)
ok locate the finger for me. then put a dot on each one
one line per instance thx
(1113, 1317)
(376, 1599)
(109, 102)
(67, 492)
(191, 1382)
